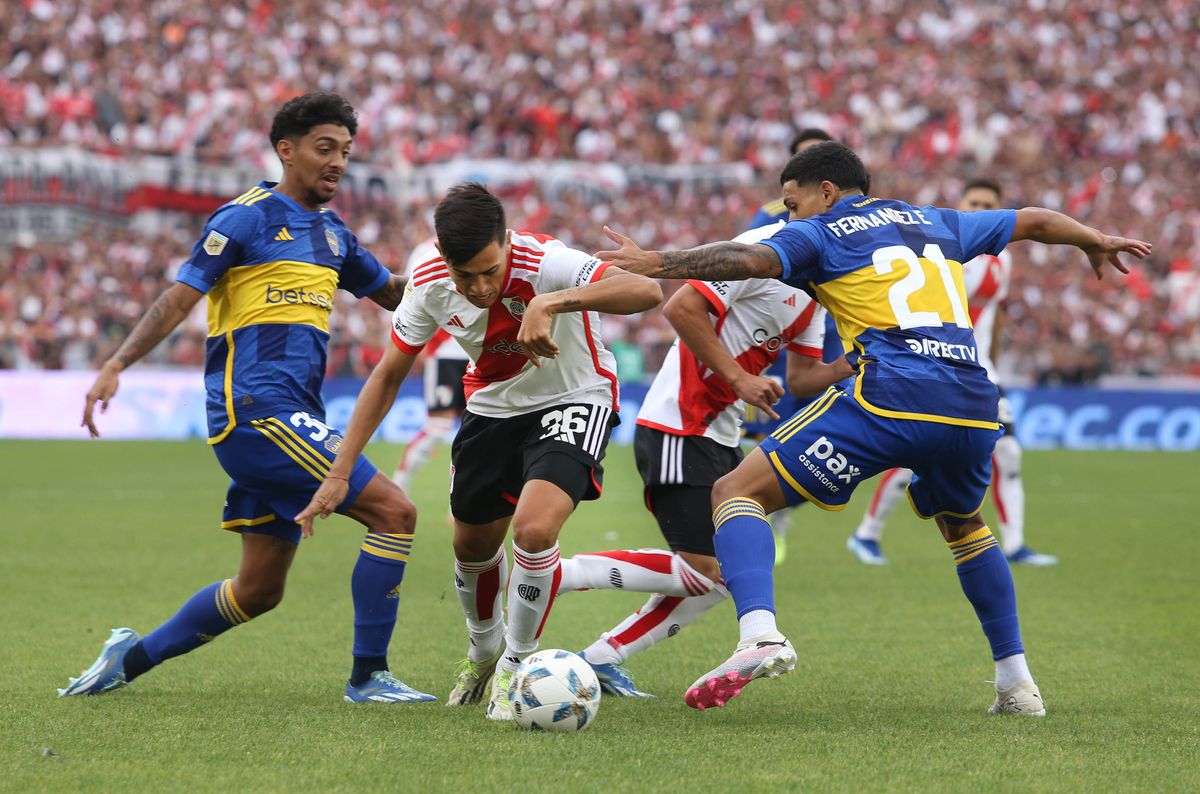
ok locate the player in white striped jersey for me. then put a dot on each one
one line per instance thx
(987, 280)
(688, 436)
(444, 367)
(541, 402)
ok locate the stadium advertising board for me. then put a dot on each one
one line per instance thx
(170, 405)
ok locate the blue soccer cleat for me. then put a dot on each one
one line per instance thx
(108, 671)
(383, 687)
(1027, 556)
(615, 679)
(867, 551)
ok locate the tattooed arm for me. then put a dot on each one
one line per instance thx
(388, 296)
(712, 262)
(159, 320)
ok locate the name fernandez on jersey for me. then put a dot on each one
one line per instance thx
(891, 276)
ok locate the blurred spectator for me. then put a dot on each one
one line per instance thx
(1088, 106)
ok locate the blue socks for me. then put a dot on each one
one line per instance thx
(375, 586)
(210, 612)
(745, 549)
(987, 582)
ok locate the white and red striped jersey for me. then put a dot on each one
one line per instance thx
(440, 347)
(986, 278)
(501, 381)
(755, 320)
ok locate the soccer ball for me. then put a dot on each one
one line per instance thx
(554, 690)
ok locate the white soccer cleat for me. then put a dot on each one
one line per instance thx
(767, 656)
(499, 707)
(1022, 698)
(471, 680)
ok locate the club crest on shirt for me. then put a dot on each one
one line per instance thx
(332, 239)
(214, 244)
(515, 306)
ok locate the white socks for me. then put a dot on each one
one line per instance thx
(1010, 670)
(755, 624)
(641, 571)
(659, 618)
(478, 585)
(1008, 489)
(531, 591)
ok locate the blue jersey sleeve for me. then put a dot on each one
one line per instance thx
(799, 247)
(761, 218)
(362, 274)
(223, 245)
(983, 232)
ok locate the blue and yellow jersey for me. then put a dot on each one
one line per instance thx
(270, 269)
(891, 276)
(771, 212)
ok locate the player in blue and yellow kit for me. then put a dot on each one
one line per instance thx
(891, 275)
(269, 262)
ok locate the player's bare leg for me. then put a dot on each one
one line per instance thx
(480, 573)
(746, 550)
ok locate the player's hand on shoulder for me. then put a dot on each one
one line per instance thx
(759, 391)
(534, 335)
(1108, 250)
(103, 389)
(327, 498)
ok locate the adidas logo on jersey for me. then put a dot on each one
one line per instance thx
(284, 235)
(457, 323)
(528, 592)
(791, 300)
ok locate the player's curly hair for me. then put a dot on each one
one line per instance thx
(827, 161)
(466, 220)
(300, 114)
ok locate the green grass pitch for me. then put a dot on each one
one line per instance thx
(889, 693)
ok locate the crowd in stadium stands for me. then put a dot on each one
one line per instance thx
(1090, 106)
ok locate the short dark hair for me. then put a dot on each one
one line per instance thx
(986, 184)
(300, 114)
(827, 161)
(466, 220)
(808, 134)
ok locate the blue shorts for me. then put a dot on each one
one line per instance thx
(276, 464)
(822, 453)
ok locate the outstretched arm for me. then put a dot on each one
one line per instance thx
(159, 320)
(1047, 226)
(712, 262)
(372, 405)
(687, 311)
(615, 292)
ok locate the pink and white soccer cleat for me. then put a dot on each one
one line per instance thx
(770, 656)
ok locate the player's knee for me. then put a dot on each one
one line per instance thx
(535, 534)
(257, 598)
(398, 515)
(724, 489)
(954, 529)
